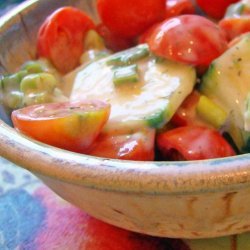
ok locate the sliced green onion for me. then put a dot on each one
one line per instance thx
(33, 67)
(126, 74)
(211, 112)
(14, 99)
(12, 82)
(130, 56)
(37, 98)
(38, 83)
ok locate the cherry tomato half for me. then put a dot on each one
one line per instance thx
(215, 9)
(61, 37)
(193, 143)
(179, 7)
(71, 125)
(138, 146)
(130, 18)
(235, 26)
(189, 39)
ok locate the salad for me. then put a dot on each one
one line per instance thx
(152, 80)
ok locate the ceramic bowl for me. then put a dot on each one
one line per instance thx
(171, 199)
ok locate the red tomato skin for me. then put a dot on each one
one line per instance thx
(61, 37)
(186, 113)
(215, 9)
(130, 18)
(179, 7)
(56, 124)
(144, 37)
(188, 39)
(138, 146)
(193, 143)
(113, 41)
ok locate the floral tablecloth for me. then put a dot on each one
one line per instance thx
(32, 217)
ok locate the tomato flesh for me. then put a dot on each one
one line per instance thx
(193, 143)
(71, 125)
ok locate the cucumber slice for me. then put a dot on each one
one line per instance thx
(227, 83)
(161, 87)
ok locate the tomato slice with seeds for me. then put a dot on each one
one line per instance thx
(193, 143)
(70, 125)
(61, 37)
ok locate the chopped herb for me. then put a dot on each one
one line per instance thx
(129, 57)
(125, 74)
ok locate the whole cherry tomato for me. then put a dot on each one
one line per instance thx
(61, 37)
(130, 18)
(189, 39)
(113, 41)
(215, 9)
(138, 146)
(71, 125)
(193, 143)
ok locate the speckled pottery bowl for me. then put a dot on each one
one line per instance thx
(171, 199)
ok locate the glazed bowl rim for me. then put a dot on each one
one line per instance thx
(153, 177)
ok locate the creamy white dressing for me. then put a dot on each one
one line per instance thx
(161, 88)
